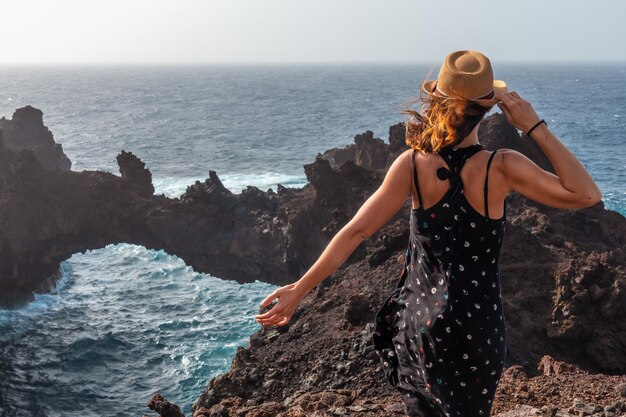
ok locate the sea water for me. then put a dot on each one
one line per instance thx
(125, 321)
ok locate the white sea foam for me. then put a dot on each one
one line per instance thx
(41, 302)
(173, 187)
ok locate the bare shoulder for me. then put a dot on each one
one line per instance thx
(513, 163)
(408, 154)
(405, 159)
(410, 157)
(510, 164)
(503, 153)
(397, 173)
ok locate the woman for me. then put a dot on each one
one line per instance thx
(440, 335)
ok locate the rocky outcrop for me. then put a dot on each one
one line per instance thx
(561, 390)
(26, 130)
(562, 269)
(367, 151)
(46, 216)
(135, 173)
(163, 407)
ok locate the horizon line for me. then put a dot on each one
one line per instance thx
(288, 63)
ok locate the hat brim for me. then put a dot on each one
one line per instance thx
(499, 88)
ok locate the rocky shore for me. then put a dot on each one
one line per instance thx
(563, 277)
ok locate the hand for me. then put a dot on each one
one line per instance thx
(289, 298)
(518, 112)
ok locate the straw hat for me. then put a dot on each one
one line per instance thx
(466, 74)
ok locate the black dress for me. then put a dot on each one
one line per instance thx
(441, 334)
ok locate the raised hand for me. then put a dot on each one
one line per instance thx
(518, 112)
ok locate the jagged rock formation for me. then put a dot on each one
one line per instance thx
(26, 130)
(562, 270)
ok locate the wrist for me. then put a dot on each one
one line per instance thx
(529, 129)
(533, 126)
(539, 133)
(303, 287)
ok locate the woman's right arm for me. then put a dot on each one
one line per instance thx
(571, 187)
(379, 208)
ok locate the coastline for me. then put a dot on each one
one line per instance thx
(562, 275)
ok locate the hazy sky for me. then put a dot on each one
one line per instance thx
(73, 31)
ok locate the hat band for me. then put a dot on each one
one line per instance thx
(438, 92)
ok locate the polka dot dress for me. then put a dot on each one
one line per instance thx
(441, 334)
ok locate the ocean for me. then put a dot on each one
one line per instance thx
(125, 321)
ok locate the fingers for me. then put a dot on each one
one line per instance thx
(274, 320)
(505, 110)
(506, 105)
(278, 319)
(288, 298)
(275, 310)
(510, 101)
(275, 316)
(269, 298)
(511, 97)
(518, 112)
(270, 315)
(508, 98)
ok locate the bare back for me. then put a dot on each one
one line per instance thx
(473, 175)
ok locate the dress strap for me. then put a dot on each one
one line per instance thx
(455, 158)
(486, 179)
(417, 188)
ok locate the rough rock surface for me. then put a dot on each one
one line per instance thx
(562, 272)
(26, 130)
(563, 391)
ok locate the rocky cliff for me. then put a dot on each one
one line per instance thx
(562, 269)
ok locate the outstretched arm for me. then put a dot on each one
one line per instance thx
(571, 187)
(379, 208)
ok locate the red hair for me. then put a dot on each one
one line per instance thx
(444, 120)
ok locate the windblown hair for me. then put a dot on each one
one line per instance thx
(443, 121)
